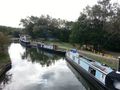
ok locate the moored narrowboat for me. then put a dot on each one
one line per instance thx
(101, 76)
(24, 42)
(51, 48)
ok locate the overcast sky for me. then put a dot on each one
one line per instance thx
(11, 11)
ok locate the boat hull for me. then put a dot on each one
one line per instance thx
(25, 44)
(89, 77)
(52, 50)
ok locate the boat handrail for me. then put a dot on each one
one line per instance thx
(95, 67)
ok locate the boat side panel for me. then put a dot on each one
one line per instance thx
(90, 78)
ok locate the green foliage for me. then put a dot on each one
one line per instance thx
(46, 27)
(98, 26)
(14, 32)
(4, 42)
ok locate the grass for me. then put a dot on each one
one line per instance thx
(63, 45)
(4, 59)
(109, 62)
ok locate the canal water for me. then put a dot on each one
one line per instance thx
(33, 69)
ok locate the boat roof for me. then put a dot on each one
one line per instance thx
(97, 66)
(94, 64)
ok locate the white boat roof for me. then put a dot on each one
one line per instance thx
(94, 64)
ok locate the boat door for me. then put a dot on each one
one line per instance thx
(92, 71)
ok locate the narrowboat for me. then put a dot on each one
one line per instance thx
(24, 42)
(99, 75)
(50, 48)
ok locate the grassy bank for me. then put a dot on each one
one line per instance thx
(110, 61)
(4, 59)
(63, 45)
(5, 65)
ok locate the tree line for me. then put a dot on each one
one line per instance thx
(46, 27)
(97, 27)
(3, 43)
(5, 34)
(10, 31)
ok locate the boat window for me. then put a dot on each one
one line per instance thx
(89, 60)
(92, 71)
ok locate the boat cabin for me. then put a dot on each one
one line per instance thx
(98, 70)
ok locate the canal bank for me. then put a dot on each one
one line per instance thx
(4, 69)
(5, 63)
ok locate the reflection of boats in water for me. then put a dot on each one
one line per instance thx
(24, 41)
(101, 76)
(39, 56)
(4, 80)
(49, 54)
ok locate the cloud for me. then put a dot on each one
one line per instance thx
(13, 10)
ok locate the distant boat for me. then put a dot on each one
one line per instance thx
(51, 48)
(101, 76)
(23, 41)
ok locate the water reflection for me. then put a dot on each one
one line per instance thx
(5, 80)
(37, 70)
(44, 58)
(86, 84)
(41, 58)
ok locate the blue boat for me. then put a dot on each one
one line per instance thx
(101, 76)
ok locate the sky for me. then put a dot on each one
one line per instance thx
(12, 11)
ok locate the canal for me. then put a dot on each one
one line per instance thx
(33, 69)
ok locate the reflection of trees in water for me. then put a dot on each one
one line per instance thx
(44, 58)
(5, 79)
(23, 56)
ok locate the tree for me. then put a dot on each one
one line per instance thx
(98, 26)
(46, 27)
